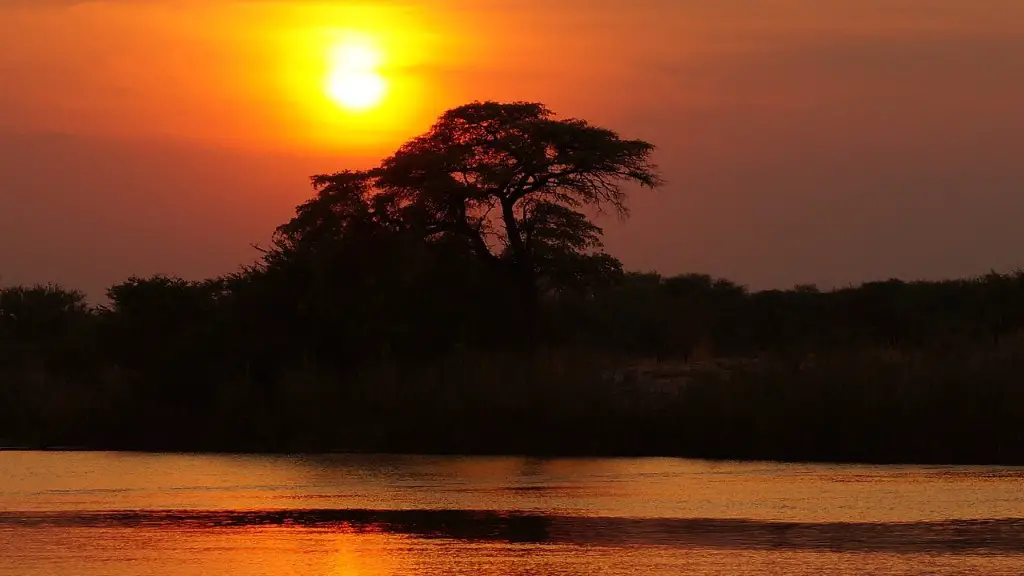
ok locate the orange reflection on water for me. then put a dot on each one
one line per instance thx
(95, 514)
(286, 551)
(251, 551)
(646, 488)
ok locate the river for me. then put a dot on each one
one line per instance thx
(92, 514)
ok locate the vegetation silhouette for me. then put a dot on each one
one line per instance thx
(457, 299)
(499, 183)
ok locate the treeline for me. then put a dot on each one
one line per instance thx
(456, 299)
(889, 371)
(697, 314)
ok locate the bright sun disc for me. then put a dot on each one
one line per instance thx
(356, 90)
(353, 81)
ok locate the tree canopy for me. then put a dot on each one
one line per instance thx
(507, 182)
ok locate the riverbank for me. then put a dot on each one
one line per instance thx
(875, 406)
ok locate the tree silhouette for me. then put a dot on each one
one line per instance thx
(41, 325)
(507, 181)
(439, 301)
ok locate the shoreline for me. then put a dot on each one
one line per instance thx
(524, 455)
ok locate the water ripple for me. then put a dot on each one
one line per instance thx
(994, 536)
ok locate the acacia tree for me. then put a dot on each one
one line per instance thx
(509, 181)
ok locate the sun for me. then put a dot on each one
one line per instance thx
(357, 88)
(353, 79)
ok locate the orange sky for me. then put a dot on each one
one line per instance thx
(802, 140)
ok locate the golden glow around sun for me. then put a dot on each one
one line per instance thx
(353, 82)
(353, 79)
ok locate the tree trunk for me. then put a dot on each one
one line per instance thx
(525, 276)
(530, 304)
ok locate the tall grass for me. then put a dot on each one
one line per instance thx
(874, 405)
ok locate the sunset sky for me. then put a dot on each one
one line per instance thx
(824, 141)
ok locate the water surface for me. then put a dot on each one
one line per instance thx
(110, 514)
